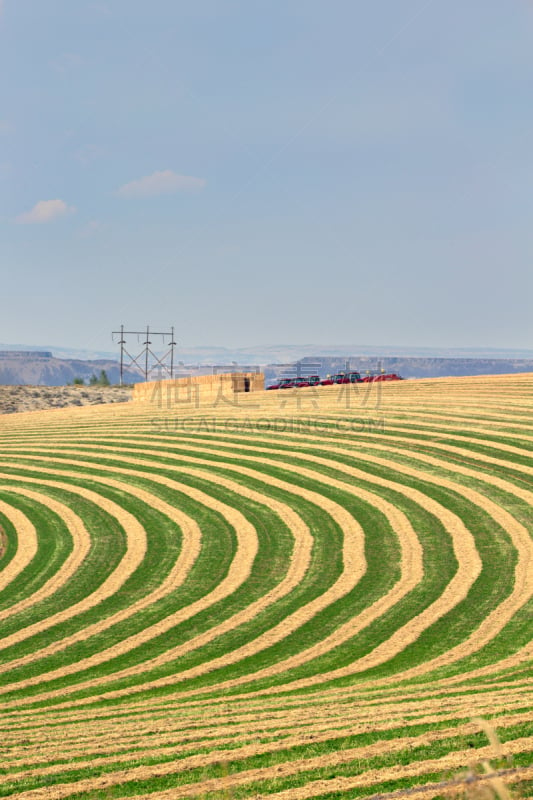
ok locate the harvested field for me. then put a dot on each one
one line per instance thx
(313, 593)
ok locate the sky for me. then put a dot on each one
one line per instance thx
(257, 172)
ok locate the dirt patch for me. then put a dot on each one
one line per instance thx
(14, 399)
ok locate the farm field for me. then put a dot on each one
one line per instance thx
(311, 594)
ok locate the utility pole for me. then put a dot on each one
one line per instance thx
(172, 346)
(164, 363)
(122, 342)
(147, 344)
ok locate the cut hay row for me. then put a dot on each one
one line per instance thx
(377, 706)
(307, 777)
(26, 544)
(228, 608)
(26, 535)
(452, 441)
(238, 573)
(250, 751)
(452, 420)
(465, 552)
(326, 724)
(246, 550)
(372, 611)
(265, 737)
(135, 550)
(176, 768)
(496, 512)
(354, 561)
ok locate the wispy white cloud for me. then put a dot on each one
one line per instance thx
(165, 182)
(45, 211)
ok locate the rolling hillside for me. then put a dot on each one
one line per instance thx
(303, 594)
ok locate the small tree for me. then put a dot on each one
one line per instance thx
(78, 382)
(101, 380)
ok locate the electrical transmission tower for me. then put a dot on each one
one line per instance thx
(146, 360)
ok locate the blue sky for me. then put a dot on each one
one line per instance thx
(265, 172)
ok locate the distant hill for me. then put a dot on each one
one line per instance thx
(41, 368)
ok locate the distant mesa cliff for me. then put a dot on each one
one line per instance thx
(41, 368)
(407, 367)
(18, 354)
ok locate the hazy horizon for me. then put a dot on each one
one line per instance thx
(269, 353)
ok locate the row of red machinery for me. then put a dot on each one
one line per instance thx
(340, 377)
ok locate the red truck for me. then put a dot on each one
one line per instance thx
(296, 383)
(391, 376)
(310, 380)
(338, 378)
(342, 377)
(282, 383)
